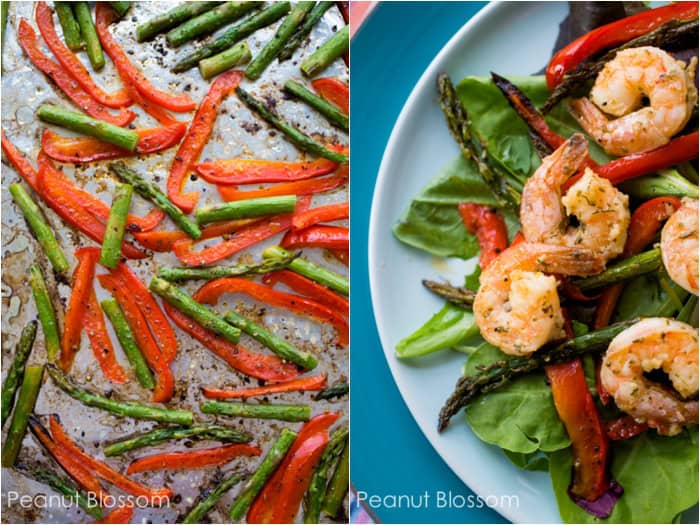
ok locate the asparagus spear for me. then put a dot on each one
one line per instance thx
(690, 306)
(238, 32)
(338, 486)
(161, 435)
(16, 371)
(500, 372)
(80, 123)
(309, 270)
(69, 25)
(174, 274)
(667, 182)
(120, 7)
(324, 56)
(256, 482)
(457, 295)
(301, 140)
(42, 231)
(246, 208)
(232, 57)
(280, 412)
(328, 110)
(335, 390)
(304, 29)
(274, 46)
(116, 223)
(4, 10)
(119, 408)
(128, 341)
(31, 384)
(171, 18)
(87, 29)
(207, 501)
(317, 487)
(623, 270)
(47, 315)
(459, 124)
(183, 302)
(154, 194)
(209, 21)
(278, 345)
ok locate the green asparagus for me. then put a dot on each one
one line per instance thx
(174, 274)
(31, 384)
(47, 314)
(183, 302)
(200, 510)
(256, 68)
(209, 21)
(80, 123)
(120, 7)
(457, 295)
(317, 487)
(231, 36)
(335, 390)
(154, 194)
(42, 231)
(623, 270)
(668, 182)
(4, 10)
(128, 342)
(71, 29)
(256, 482)
(237, 55)
(332, 113)
(324, 56)
(280, 412)
(171, 18)
(304, 30)
(689, 308)
(16, 372)
(246, 208)
(309, 270)
(338, 486)
(87, 29)
(116, 224)
(279, 346)
(119, 408)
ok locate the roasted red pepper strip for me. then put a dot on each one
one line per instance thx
(309, 288)
(334, 91)
(329, 237)
(20, 162)
(625, 427)
(259, 366)
(196, 138)
(302, 384)
(89, 149)
(164, 241)
(489, 228)
(105, 472)
(613, 34)
(303, 187)
(253, 171)
(121, 514)
(342, 255)
(278, 501)
(243, 239)
(210, 292)
(102, 348)
(203, 458)
(28, 42)
(104, 15)
(328, 213)
(73, 66)
(579, 414)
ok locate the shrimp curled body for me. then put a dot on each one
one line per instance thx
(517, 306)
(654, 343)
(620, 90)
(679, 245)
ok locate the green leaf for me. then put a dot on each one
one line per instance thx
(645, 297)
(471, 280)
(534, 461)
(659, 475)
(519, 416)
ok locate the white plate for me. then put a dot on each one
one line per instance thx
(514, 38)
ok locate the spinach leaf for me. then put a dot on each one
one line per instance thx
(533, 461)
(644, 296)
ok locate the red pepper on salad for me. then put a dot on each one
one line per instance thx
(489, 228)
(302, 384)
(625, 427)
(192, 459)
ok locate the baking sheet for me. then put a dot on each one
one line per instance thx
(236, 133)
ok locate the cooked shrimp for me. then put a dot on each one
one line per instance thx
(651, 344)
(601, 211)
(679, 245)
(620, 89)
(517, 307)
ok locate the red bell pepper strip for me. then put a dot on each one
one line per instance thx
(302, 384)
(259, 366)
(73, 66)
(329, 237)
(625, 427)
(102, 348)
(613, 34)
(89, 149)
(586, 430)
(342, 255)
(334, 91)
(121, 514)
(489, 228)
(304, 187)
(105, 472)
(279, 499)
(243, 239)
(331, 212)
(20, 163)
(192, 459)
(130, 75)
(164, 241)
(196, 138)
(28, 42)
(254, 171)
(210, 292)
(309, 288)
